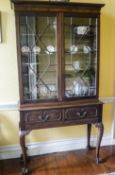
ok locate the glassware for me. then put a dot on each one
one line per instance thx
(39, 69)
(80, 62)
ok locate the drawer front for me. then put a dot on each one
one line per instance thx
(82, 113)
(61, 117)
(43, 116)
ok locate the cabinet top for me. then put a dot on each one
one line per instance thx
(58, 3)
(34, 5)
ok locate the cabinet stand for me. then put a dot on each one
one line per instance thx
(99, 138)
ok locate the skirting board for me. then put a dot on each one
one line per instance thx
(40, 148)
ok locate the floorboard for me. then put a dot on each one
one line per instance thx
(80, 162)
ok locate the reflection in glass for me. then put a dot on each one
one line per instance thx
(80, 56)
(39, 58)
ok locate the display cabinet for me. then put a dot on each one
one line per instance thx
(58, 60)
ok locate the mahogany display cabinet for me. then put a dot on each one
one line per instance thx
(58, 49)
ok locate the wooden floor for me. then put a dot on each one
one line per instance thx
(80, 162)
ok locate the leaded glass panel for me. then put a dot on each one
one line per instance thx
(39, 57)
(80, 56)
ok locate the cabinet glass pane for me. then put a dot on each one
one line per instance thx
(38, 57)
(80, 56)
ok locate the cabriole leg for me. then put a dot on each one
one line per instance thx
(24, 153)
(100, 134)
(88, 136)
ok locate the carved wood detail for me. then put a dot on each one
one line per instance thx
(43, 116)
(57, 117)
(80, 113)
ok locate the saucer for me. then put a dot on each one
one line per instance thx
(36, 49)
(73, 49)
(25, 49)
(50, 49)
(86, 49)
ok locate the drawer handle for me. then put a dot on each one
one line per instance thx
(82, 114)
(44, 118)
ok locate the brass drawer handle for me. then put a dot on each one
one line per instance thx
(82, 114)
(44, 118)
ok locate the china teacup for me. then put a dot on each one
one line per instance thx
(81, 30)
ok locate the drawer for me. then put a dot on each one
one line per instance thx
(82, 112)
(61, 117)
(42, 116)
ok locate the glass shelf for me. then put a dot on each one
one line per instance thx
(38, 54)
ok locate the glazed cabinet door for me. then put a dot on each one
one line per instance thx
(38, 48)
(59, 56)
(81, 56)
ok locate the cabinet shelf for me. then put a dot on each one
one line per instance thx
(84, 36)
(81, 52)
(38, 54)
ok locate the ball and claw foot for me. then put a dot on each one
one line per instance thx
(98, 160)
(24, 171)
